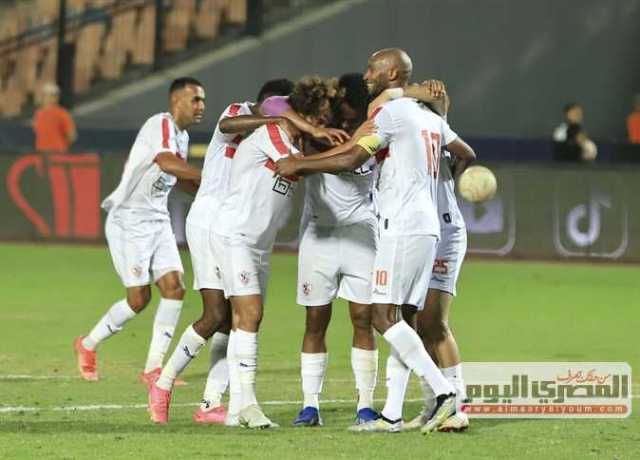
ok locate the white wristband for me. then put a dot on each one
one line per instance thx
(395, 93)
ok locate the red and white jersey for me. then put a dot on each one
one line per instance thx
(256, 201)
(216, 168)
(409, 137)
(340, 199)
(144, 188)
(450, 216)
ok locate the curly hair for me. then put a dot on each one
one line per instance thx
(310, 95)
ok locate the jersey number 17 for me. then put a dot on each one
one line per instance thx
(432, 144)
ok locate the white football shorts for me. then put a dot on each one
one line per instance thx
(143, 252)
(244, 269)
(206, 269)
(336, 262)
(402, 269)
(450, 253)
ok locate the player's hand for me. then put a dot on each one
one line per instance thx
(288, 166)
(436, 88)
(332, 135)
(366, 128)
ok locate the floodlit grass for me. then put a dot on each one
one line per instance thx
(508, 311)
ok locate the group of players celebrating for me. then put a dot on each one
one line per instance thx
(380, 229)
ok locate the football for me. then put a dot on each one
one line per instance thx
(477, 183)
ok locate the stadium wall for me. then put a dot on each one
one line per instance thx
(556, 52)
(540, 211)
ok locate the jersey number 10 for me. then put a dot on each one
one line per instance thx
(432, 144)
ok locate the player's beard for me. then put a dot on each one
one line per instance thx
(379, 85)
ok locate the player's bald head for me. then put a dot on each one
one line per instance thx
(394, 59)
(388, 68)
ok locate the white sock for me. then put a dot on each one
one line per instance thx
(397, 380)
(312, 369)
(164, 325)
(235, 392)
(411, 351)
(111, 323)
(454, 375)
(246, 348)
(365, 370)
(218, 378)
(188, 348)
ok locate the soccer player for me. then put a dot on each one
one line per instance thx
(408, 141)
(338, 218)
(138, 229)
(250, 215)
(236, 121)
(433, 320)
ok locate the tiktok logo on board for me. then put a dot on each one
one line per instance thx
(591, 220)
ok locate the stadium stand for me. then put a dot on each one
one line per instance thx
(108, 37)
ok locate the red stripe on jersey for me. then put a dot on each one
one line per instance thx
(270, 164)
(382, 154)
(233, 110)
(165, 133)
(276, 139)
(375, 112)
(230, 149)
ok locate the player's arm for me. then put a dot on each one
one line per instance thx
(346, 157)
(171, 164)
(188, 186)
(365, 129)
(431, 92)
(463, 155)
(246, 123)
(332, 135)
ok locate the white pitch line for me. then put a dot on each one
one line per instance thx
(37, 377)
(96, 407)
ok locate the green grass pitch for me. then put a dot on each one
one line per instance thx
(505, 311)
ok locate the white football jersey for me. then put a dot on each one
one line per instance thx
(144, 188)
(340, 199)
(256, 199)
(409, 139)
(448, 210)
(216, 168)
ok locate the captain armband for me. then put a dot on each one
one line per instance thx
(370, 143)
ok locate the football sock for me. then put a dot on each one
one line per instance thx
(365, 370)
(111, 323)
(397, 380)
(246, 349)
(218, 377)
(164, 325)
(454, 375)
(188, 348)
(411, 351)
(312, 369)
(235, 393)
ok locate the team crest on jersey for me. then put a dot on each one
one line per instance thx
(244, 277)
(306, 288)
(137, 271)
